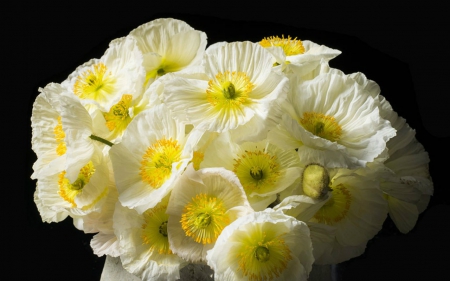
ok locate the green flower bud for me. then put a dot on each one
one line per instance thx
(315, 181)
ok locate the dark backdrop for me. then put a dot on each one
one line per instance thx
(399, 46)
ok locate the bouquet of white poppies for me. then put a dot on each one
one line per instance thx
(256, 159)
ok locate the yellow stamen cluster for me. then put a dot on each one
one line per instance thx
(156, 164)
(321, 125)
(263, 256)
(336, 208)
(204, 218)
(257, 170)
(59, 136)
(68, 191)
(229, 90)
(290, 46)
(95, 83)
(118, 118)
(154, 229)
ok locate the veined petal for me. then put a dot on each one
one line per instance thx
(403, 214)
(179, 54)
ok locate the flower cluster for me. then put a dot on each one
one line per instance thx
(255, 158)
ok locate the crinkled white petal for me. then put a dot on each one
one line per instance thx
(105, 244)
(49, 212)
(163, 43)
(301, 207)
(403, 214)
(46, 128)
(136, 256)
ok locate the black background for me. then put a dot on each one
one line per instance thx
(400, 46)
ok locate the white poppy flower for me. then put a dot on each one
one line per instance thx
(48, 137)
(62, 132)
(237, 91)
(154, 151)
(201, 205)
(57, 196)
(408, 180)
(297, 56)
(343, 219)
(356, 208)
(103, 82)
(334, 120)
(163, 44)
(265, 245)
(145, 248)
(263, 169)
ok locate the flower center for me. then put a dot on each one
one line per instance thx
(336, 208)
(262, 256)
(156, 164)
(95, 83)
(257, 170)
(163, 228)
(59, 136)
(118, 118)
(154, 229)
(256, 173)
(204, 218)
(68, 191)
(229, 90)
(161, 72)
(290, 46)
(321, 125)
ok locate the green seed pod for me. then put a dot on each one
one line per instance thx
(315, 181)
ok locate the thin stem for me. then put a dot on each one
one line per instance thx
(102, 140)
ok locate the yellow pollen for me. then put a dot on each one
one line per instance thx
(290, 46)
(68, 191)
(321, 125)
(204, 218)
(336, 208)
(156, 164)
(59, 136)
(154, 229)
(118, 118)
(263, 256)
(229, 90)
(94, 83)
(257, 170)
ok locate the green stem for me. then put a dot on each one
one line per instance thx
(101, 140)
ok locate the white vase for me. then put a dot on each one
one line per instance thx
(113, 271)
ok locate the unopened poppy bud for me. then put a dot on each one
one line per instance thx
(315, 181)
